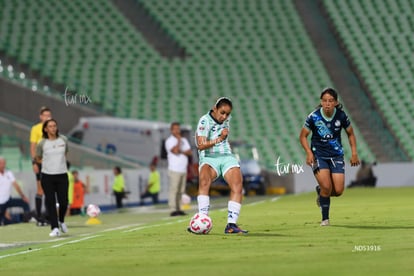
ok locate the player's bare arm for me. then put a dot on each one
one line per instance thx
(203, 143)
(303, 138)
(352, 143)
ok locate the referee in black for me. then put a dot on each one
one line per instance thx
(51, 152)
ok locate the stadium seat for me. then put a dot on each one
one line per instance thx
(255, 52)
(378, 37)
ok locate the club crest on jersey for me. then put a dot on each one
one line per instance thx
(337, 123)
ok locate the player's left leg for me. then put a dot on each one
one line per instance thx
(336, 178)
(62, 196)
(338, 184)
(234, 179)
(337, 166)
(323, 177)
(49, 188)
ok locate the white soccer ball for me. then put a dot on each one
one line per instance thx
(201, 224)
(93, 210)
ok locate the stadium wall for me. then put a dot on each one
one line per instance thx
(24, 103)
(388, 175)
(100, 182)
(100, 186)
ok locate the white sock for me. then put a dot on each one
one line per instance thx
(233, 211)
(203, 204)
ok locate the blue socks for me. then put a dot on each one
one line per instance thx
(325, 203)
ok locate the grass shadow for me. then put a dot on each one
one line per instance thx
(71, 226)
(252, 234)
(265, 234)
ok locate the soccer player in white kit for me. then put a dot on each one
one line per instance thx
(216, 159)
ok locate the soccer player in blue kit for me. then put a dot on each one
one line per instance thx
(216, 159)
(325, 154)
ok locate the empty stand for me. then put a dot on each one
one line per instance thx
(378, 36)
(255, 52)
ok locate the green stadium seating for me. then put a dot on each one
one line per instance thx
(378, 36)
(255, 52)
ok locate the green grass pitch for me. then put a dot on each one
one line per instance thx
(371, 232)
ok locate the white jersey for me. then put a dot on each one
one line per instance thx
(177, 162)
(210, 128)
(53, 154)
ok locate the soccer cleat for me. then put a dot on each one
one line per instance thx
(325, 222)
(55, 232)
(318, 198)
(232, 228)
(63, 227)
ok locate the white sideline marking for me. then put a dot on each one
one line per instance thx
(74, 241)
(155, 225)
(140, 228)
(19, 253)
(69, 242)
(121, 227)
(112, 229)
(275, 199)
(254, 203)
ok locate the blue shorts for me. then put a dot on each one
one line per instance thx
(335, 164)
(220, 163)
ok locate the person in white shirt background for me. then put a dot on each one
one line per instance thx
(178, 151)
(7, 181)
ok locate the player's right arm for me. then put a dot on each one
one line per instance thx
(303, 138)
(203, 143)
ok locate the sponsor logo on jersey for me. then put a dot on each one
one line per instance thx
(337, 123)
